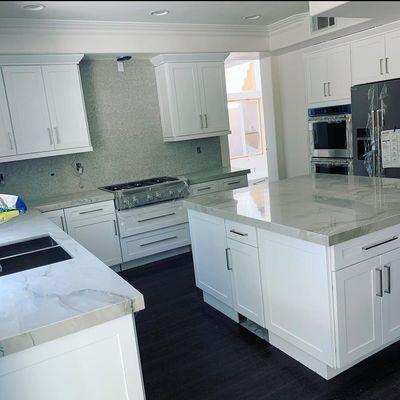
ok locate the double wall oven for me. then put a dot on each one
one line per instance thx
(331, 139)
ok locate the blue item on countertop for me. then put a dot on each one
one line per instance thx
(10, 202)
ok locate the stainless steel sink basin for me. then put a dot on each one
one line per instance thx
(29, 254)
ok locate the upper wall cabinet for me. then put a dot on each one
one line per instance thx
(376, 58)
(328, 76)
(192, 95)
(45, 114)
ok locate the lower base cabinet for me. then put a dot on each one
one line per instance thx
(368, 298)
(225, 268)
(246, 281)
(97, 363)
(94, 226)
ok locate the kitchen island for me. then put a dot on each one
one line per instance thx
(67, 329)
(315, 260)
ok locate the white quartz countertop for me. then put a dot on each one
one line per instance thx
(44, 303)
(69, 200)
(321, 208)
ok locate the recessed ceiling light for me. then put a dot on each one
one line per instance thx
(159, 13)
(33, 7)
(252, 17)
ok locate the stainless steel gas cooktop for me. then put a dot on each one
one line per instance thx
(147, 191)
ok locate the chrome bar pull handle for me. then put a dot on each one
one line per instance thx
(238, 233)
(228, 265)
(324, 89)
(388, 283)
(379, 292)
(11, 141)
(329, 89)
(381, 65)
(387, 65)
(57, 135)
(50, 136)
(206, 120)
(201, 121)
(371, 246)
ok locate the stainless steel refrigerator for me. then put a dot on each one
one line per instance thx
(375, 108)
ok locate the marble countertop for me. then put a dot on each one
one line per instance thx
(44, 303)
(214, 174)
(69, 200)
(321, 208)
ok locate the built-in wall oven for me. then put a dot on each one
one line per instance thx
(332, 166)
(330, 131)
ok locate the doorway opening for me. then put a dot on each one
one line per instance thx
(247, 146)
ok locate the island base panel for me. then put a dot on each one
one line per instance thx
(98, 363)
(221, 307)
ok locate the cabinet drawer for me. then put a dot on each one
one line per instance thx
(204, 188)
(364, 247)
(233, 183)
(90, 210)
(154, 242)
(148, 218)
(240, 232)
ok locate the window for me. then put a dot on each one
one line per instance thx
(244, 119)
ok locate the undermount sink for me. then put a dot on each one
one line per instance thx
(29, 254)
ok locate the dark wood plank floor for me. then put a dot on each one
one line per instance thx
(189, 351)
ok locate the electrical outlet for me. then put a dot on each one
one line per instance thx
(198, 150)
(79, 168)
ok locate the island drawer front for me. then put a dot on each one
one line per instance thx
(204, 188)
(241, 232)
(233, 183)
(364, 247)
(89, 210)
(144, 219)
(149, 243)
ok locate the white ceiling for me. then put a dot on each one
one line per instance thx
(189, 12)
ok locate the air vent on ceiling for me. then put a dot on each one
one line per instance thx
(321, 23)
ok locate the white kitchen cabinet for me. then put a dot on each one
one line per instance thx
(94, 226)
(390, 264)
(367, 60)
(219, 185)
(45, 99)
(66, 106)
(246, 281)
(213, 96)
(192, 95)
(359, 310)
(328, 76)
(209, 256)
(392, 56)
(28, 107)
(57, 217)
(7, 142)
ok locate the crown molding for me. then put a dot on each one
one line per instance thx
(286, 23)
(38, 25)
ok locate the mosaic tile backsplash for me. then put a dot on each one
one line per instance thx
(125, 128)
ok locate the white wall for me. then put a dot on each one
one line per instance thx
(291, 114)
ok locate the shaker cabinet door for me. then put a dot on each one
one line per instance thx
(7, 142)
(28, 108)
(213, 96)
(339, 73)
(317, 77)
(367, 60)
(390, 263)
(209, 257)
(359, 300)
(185, 101)
(246, 281)
(67, 110)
